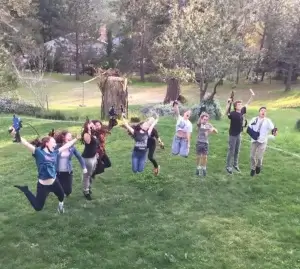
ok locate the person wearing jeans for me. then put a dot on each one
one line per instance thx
(236, 127)
(263, 126)
(64, 167)
(182, 139)
(140, 133)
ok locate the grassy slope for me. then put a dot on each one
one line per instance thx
(169, 221)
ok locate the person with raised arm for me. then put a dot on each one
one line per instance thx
(45, 156)
(202, 145)
(140, 133)
(236, 118)
(182, 139)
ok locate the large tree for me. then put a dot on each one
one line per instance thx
(208, 37)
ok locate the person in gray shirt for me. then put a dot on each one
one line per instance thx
(204, 129)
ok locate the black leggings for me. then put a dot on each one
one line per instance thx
(151, 150)
(66, 181)
(102, 163)
(42, 192)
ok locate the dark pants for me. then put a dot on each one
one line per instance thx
(151, 150)
(42, 192)
(66, 181)
(138, 160)
(102, 163)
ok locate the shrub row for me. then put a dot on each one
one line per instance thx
(213, 108)
(15, 106)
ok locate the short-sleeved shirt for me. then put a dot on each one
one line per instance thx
(266, 127)
(236, 122)
(203, 133)
(46, 163)
(183, 125)
(141, 141)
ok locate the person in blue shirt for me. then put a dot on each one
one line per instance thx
(17, 125)
(45, 156)
(64, 169)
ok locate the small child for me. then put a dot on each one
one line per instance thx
(204, 129)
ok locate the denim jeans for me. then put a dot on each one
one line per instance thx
(138, 160)
(234, 144)
(180, 146)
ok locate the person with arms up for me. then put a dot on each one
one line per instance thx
(236, 118)
(182, 138)
(204, 129)
(45, 156)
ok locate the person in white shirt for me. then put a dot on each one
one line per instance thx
(182, 139)
(264, 126)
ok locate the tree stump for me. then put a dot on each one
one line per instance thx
(114, 93)
(173, 90)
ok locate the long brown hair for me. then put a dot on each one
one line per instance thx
(41, 142)
(85, 129)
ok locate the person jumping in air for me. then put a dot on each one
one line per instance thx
(103, 161)
(262, 126)
(204, 129)
(89, 154)
(236, 127)
(182, 139)
(64, 167)
(45, 156)
(140, 134)
(152, 147)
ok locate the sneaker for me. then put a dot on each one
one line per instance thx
(22, 188)
(60, 208)
(156, 170)
(90, 191)
(88, 196)
(237, 168)
(198, 172)
(229, 170)
(257, 170)
(204, 172)
(252, 173)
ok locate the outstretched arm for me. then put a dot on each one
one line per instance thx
(28, 145)
(152, 126)
(79, 158)
(67, 145)
(176, 110)
(128, 127)
(250, 99)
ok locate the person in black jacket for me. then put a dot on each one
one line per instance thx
(151, 149)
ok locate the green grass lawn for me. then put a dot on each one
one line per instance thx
(170, 221)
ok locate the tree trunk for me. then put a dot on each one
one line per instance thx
(248, 73)
(173, 90)
(262, 76)
(77, 55)
(114, 93)
(288, 83)
(203, 90)
(238, 69)
(142, 62)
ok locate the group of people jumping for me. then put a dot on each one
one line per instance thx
(53, 153)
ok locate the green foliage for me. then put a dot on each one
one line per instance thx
(8, 78)
(135, 119)
(213, 108)
(13, 105)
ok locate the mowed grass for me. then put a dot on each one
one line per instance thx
(174, 220)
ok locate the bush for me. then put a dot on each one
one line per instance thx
(213, 108)
(161, 109)
(135, 119)
(15, 106)
(298, 125)
(55, 115)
